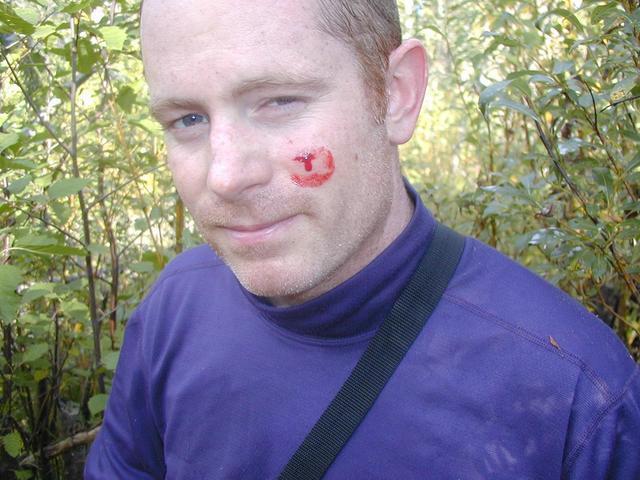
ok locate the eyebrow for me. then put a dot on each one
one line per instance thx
(158, 106)
(297, 81)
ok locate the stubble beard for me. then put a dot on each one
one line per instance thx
(249, 264)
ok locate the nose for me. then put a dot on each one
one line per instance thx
(237, 165)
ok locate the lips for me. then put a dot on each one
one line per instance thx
(256, 233)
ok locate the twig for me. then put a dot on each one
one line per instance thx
(52, 225)
(82, 438)
(86, 226)
(619, 317)
(622, 100)
(33, 106)
(617, 262)
(612, 161)
(122, 185)
(565, 176)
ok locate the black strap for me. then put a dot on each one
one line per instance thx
(381, 358)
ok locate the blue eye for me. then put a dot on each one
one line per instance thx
(284, 101)
(190, 120)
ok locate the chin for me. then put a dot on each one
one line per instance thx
(281, 286)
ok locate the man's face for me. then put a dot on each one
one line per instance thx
(271, 141)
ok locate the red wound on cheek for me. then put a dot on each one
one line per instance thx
(320, 162)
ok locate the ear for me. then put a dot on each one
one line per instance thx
(406, 85)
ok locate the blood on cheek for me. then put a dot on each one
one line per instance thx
(318, 168)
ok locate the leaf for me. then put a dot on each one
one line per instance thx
(34, 352)
(523, 86)
(34, 240)
(518, 107)
(75, 309)
(603, 177)
(66, 187)
(46, 245)
(633, 164)
(563, 66)
(126, 98)
(8, 139)
(97, 403)
(113, 36)
(11, 22)
(434, 28)
(59, 250)
(603, 11)
(10, 278)
(75, 7)
(147, 124)
(495, 207)
(97, 249)
(142, 267)
(570, 146)
(55, 250)
(542, 78)
(506, 41)
(631, 135)
(36, 291)
(110, 360)
(566, 14)
(17, 164)
(31, 15)
(625, 85)
(88, 56)
(491, 92)
(630, 229)
(43, 31)
(23, 474)
(12, 443)
(524, 73)
(19, 185)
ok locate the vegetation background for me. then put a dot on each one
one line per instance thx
(529, 141)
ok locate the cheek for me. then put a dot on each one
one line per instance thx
(313, 168)
(188, 175)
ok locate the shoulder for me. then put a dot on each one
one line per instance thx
(551, 349)
(195, 264)
(192, 260)
(195, 273)
(501, 293)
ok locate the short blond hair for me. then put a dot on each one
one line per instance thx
(371, 28)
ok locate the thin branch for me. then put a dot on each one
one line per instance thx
(618, 263)
(612, 161)
(86, 225)
(565, 176)
(131, 242)
(34, 107)
(82, 438)
(618, 317)
(49, 224)
(122, 185)
(621, 101)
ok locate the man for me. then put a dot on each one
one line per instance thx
(282, 122)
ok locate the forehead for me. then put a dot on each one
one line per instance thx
(192, 18)
(233, 41)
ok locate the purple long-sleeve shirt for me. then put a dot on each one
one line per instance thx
(510, 378)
